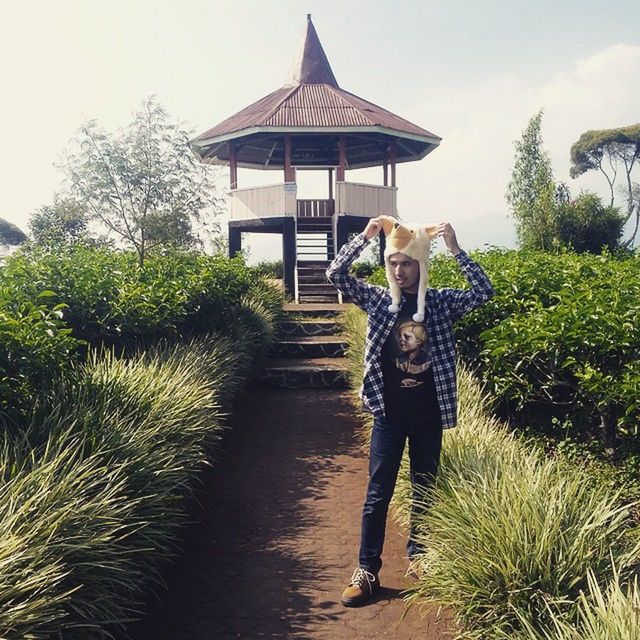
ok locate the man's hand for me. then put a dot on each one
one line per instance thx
(446, 231)
(373, 228)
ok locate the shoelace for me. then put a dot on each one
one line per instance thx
(362, 577)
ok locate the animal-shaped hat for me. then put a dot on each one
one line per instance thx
(414, 241)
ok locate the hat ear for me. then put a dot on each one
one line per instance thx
(387, 224)
(432, 230)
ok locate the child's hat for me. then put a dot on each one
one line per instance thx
(414, 241)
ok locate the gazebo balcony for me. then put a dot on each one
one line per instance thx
(278, 200)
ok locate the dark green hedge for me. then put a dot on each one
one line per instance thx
(55, 304)
(560, 337)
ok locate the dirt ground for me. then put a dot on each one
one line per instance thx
(278, 533)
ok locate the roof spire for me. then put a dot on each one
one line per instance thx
(310, 66)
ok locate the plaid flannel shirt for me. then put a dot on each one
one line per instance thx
(443, 308)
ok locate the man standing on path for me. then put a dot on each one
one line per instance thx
(409, 382)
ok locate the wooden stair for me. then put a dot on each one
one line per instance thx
(314, 249)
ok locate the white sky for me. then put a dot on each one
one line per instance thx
(473, 73)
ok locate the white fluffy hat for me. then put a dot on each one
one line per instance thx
(414, 241)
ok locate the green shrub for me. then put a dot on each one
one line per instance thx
(510, 536)
(54, 302)
(93, 491)
(585, 224)
(561, 336)
(34, 341)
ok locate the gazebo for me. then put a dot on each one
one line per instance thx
(311, 124)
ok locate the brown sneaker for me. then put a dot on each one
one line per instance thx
(361, 589)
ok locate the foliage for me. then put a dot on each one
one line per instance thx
(512, 539)
(65, 220)
(363, 269)
(608, 150)
(92, 492)
(54, 301)
(560, 337)
(143, 184)
(10, 234)
(585, 224)
(606, 612)
(273, 268)
(531, 190)
(34, 342)
(512, 534)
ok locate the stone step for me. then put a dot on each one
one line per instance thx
(325, 309)
(298, 347)
(316, 373)
(314, 327)
(313, 264)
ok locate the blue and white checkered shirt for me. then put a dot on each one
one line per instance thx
(443, 308)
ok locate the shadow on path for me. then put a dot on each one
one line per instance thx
(278, 534)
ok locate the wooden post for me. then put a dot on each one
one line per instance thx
(289, 254)
(289, 171)
(385, 172)
(235, 241)
(392, 158)
(342, 150)
(233, 166)
(330, 184)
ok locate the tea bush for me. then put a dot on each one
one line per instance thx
(561, 336)
(57, 304)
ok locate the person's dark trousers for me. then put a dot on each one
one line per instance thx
(385, 455)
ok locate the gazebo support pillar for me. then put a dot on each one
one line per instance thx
(233, 166)
(289, 171)
(286, 226)
(342, 154)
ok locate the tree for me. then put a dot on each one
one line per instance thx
(608, 150)
(587, 225)
(66, 220)
(143, 184)
(532, 191)
(10, 234)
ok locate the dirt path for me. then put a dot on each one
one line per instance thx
(279, 533)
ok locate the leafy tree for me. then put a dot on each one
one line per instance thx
(532, 191)
(609, 151)
(143, 183)
(10, 234)
(586, 225)
(66, 220)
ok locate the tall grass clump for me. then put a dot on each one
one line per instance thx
(94, 487)
(93, 491)
(511, 536)
(604, 613)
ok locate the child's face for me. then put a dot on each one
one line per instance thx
(407, 341)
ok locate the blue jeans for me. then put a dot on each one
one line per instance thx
(385, 455)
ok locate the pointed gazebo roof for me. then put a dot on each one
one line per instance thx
(315, 111)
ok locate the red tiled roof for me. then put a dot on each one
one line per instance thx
(312, 100)
(313, 105)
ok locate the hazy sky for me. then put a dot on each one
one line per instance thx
(472, 72)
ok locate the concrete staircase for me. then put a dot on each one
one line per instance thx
(310, 351)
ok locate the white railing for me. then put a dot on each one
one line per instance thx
(276, 200)
(365, 199)
(263, 202)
